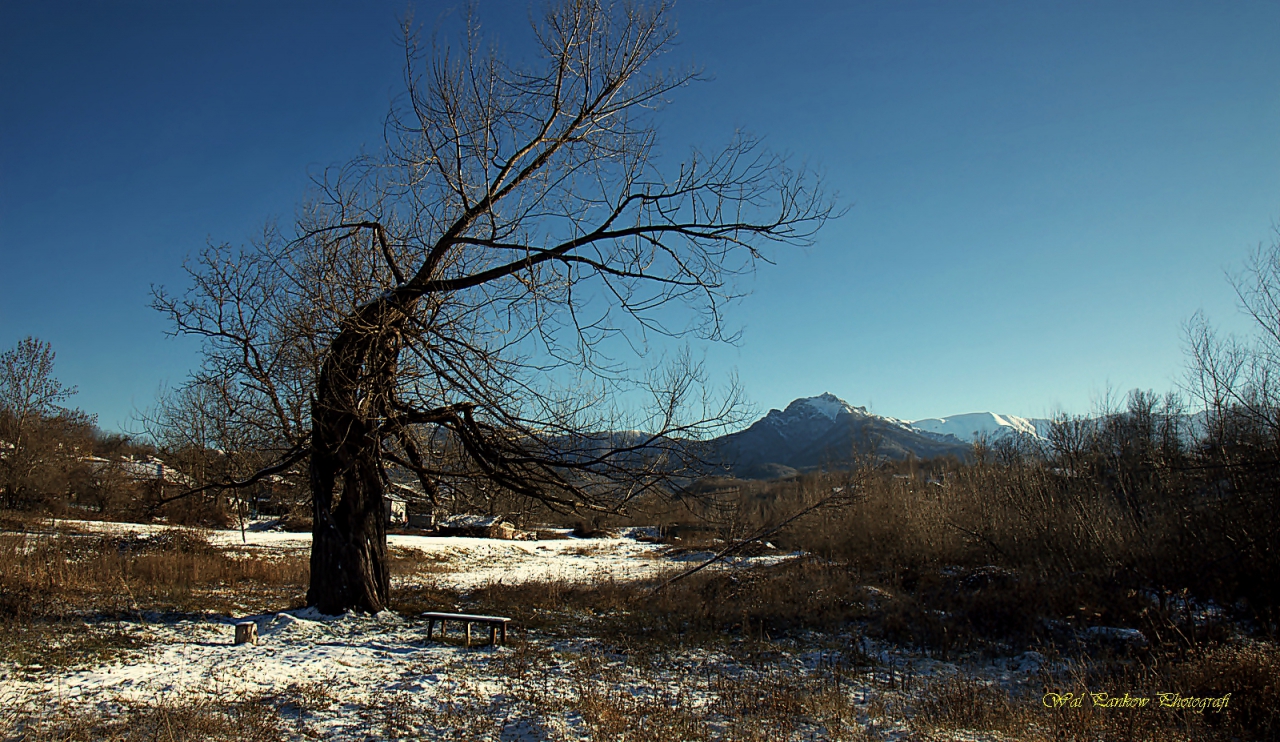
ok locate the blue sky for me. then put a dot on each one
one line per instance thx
(1040, 194)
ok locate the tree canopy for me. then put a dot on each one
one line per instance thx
(475, 301)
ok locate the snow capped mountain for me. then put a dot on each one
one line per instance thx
(814, 432)
(824, 431)
(809, 415)
(966, 428)
(988, 425)
(827, 404)
(827, 432)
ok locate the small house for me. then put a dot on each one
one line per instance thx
(481, 526)
(396, 508)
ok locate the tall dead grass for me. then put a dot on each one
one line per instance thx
(58, 591)
(58, 575)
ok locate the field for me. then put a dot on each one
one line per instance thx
(119, 631)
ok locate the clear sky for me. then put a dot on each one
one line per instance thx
(1040, 194)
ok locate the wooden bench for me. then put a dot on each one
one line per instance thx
(496, 624)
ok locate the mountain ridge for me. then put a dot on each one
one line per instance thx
(814, 432)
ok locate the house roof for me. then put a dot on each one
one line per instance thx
(472, 521)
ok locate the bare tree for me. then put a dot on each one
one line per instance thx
(1232, 515)
(483, 300)
(1237, 379)
(37, 434)
(201, 431)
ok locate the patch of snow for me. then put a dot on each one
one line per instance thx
(466, 520)
(1027, 662)
(966, 428)
(1117, 636)
(826, 404)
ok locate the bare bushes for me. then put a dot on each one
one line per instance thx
(1019, 515)
(1120, 520)
(1124, 501)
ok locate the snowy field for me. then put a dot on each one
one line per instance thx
(464, 563)
(378, 677)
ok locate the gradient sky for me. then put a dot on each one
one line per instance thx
(1040, 194)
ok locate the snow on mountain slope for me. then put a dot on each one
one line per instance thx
(827, 404)
(807, 418)
(824, 431)
(966, 428)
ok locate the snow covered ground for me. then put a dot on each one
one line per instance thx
(465, 563)
(377, 677)
(352, 677)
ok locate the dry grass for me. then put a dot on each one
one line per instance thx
(55, 576)
(415, 567)
(186, 719)
(631, 685)
(60, 592)
(1247, 672)
(634, 700)
(959, 702)
(33, 646)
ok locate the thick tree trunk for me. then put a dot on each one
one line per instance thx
(349, 540)
(349, 531)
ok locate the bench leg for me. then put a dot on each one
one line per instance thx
(493, 634)
(468, 633)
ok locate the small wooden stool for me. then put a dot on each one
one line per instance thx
(246, 632)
